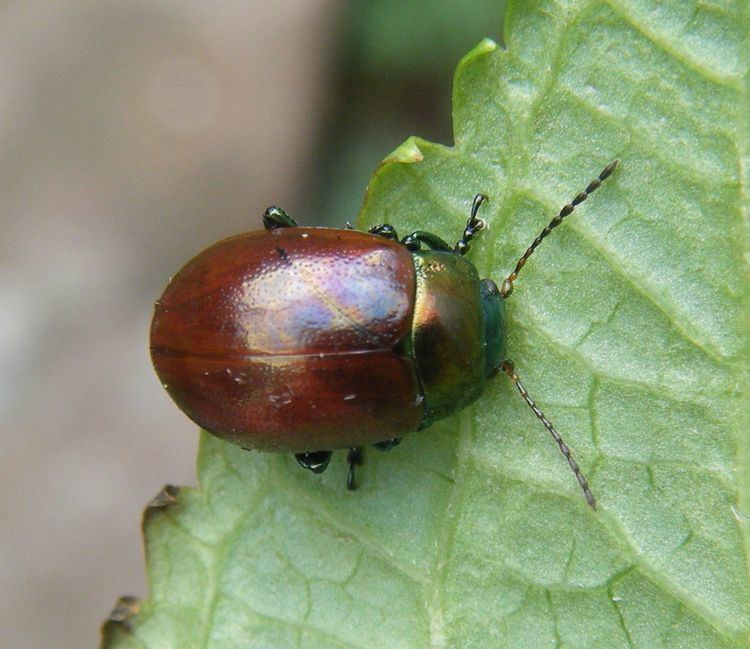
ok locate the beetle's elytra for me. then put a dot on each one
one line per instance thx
(307, 340)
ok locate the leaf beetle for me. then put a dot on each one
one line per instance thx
(306, 340)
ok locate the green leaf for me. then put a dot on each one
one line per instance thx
(629, 327)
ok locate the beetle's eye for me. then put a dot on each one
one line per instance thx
(491, 287)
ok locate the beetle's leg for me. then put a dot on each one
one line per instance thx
(388, 444)
(507, 367)
(384, 230)
(354, 458)
(317, 461)
(414, 240)
(274, 217)
(473, 225)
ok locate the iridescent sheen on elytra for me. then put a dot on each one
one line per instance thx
(303, 339)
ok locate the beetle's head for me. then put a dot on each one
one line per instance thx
(494, 326)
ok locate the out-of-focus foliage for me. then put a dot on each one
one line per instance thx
(393, 78)
(414, 39)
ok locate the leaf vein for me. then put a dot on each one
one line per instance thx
(682, 56)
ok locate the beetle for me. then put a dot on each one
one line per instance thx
(307, 340)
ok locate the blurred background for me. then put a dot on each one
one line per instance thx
(134, 134)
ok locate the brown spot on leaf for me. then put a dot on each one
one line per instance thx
(118, 623)
(163, 501)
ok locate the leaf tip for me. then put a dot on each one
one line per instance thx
(118, 622)
(484, 47)
(406, 152)
(163, 501)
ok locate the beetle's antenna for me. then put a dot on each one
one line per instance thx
(507, 287)
(507, 367)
